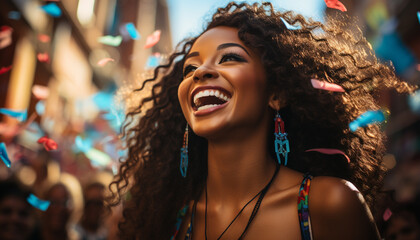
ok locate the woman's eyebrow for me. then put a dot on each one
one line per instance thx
(226, 45)
(193, 54)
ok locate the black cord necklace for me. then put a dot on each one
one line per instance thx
(253, 214)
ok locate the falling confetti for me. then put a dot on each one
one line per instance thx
(14, 15)
(132, 31)
(40, 108)
(104, 61)
(153, 60)
(366, 119)
(5, 69)
(5, 36)
(19, 115)
(40, 92)
(110, 40)
(387, 214)
(3, 155)
(83, 144)
(335, 4)
(43, 57)
(44, 38)
(38, 203)
(98, 158)
(329, 151)
(48, 143)
(289, 26)
(152, 39)
(326, 86)
(52, 9)
(418, 16)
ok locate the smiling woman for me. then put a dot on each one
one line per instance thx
(242, 175)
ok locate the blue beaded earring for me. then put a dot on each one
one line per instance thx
(281, 143)
(184, 154)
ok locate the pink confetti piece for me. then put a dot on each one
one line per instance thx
(104, 61)
(44, 38)
(5, 69)
(418, 67)
(40, 92)
(48, 143)
(335, 4)
(387, 214)
(329, 151)
(5, 36)
(326, 86)
(152, 39)
(43, 57)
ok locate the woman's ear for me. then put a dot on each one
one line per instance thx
(277, 101)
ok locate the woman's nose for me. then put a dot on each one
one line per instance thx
(205, 73)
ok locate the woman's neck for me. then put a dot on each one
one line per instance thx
(238, 169)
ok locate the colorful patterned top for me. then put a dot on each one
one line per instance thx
(303, 212)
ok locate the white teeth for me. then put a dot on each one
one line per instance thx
(207, 93)
(207, 106)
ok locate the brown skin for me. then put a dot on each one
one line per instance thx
(239, 165)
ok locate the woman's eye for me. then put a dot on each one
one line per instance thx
(232, 57)
(188, 69)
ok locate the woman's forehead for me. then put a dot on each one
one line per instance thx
(216, 36)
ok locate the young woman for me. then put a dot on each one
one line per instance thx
(222, 151)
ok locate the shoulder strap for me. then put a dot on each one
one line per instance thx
(303, 210)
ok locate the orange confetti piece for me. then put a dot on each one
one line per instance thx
(152, 39)
(40, 92)
(43, 57)
(336, 4)
(326, 86)
(104, 61)
(48, 143)
(44, 38)
(5, 69)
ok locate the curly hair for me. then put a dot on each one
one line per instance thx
(149, 179)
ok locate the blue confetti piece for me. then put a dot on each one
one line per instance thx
(38, 203)
(418, 16)
(3, 155)
(83, 145)
(152, 61)
(132, 31)
(289, 26)
(40, 108)
(19, 115)
(367, 118)
(52, 9)
(414, 101)
(14, 15)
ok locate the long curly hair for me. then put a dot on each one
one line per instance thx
(149, 182)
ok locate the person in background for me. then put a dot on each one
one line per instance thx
(403, 224)
(91, 226)
(17, 219)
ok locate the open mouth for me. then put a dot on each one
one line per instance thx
(208, 97)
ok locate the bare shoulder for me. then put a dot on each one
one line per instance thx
(339, 211)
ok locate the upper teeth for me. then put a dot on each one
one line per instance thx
(207, 93)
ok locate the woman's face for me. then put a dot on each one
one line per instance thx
(224, 90)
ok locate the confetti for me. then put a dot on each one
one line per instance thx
(3, 155)
(48, 143)
(152, 39)
(15, 15)
(418, 16)
(326, 86)
(110, 40)
(52, 9)
(289, 26)
(82, 144)
(40, 108)
(5, 36)
(153, 60)
(329, 151)
(38, 203)
(387, 214)
(366, 119)
(40, 92)
(98, 158)
(19, 115)
(414, 101)
(132, 31)
(44, 38)
(5, 69)
(43, 57)
(104, 61)
(335, 4)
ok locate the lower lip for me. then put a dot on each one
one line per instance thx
(209, 110)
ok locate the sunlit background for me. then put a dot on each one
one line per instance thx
(67, 69)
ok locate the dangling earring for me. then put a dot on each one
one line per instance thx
(184, 154)
(281, 142)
